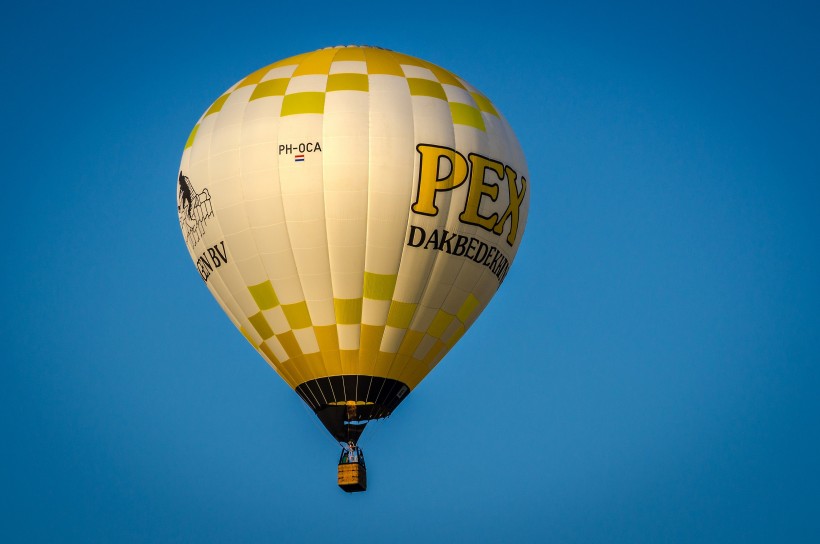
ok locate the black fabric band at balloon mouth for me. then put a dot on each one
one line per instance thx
(345, 404)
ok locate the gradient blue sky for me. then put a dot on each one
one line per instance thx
(647, 373)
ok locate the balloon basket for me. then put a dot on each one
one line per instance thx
(352, 477)
(352, 473)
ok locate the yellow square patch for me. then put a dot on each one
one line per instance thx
(297, 315)
(317, 62)
(379, 286)
(484, 103)
(347, 82)
(464, 114)
(271, 87)
(444, 76)
(411, 342)
(307, 102)
(348, 310)
(288, 341)
(440, 322)
(261, 325)
(371, 338)
(247, 336)
(191, 137)
(327, 337)
(400, 314)
(269, 353)
(467, 308)
(425, 87)
(217, 105)
(264, 295)
(382, 62)
(349, 53)
(435, 351)
(254, 78)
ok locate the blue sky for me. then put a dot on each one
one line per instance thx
(648, 371)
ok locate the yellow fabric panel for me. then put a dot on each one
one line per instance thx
(456, 336)
(484, 103)
(379, 286)
(348, 310)
(247, 336)
(254, 78)
(400, 314)
(464, 114)
(444, 76)
(290, 368)
(304, 371)
(217, 105)
(425, 87)
(384, 362)
(367, 361)
(467, 308)
(396, 368)
(435, 350)
(261, 325)
(288, 341)
(350, 361)
(297, 315)
(347, 82)
(414, 371)
(439, 323)
(269, 353)
(371, 337)
(411, 342)
(315, 364)
(308, 102)
(401, 58)
(333, 362)
(271, 87)
(317, 62)
(191, 137)
(264, 295)
(290, 61)
(382, 62)
(349, 53)
(327, 338)
(278, 367)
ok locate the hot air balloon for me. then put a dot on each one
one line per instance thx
(352, 210)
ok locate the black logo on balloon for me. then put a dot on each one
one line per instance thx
(194, 210)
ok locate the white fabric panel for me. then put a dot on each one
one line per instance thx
(277, 320)
(307, 340)
(306, 84)
(348, 336)
(345, 160)
(348, 67)
(252, 270)
(303, 201)
(392, 339)
(279, 72)
(391, 163)
(374, 312)
(431, 123)
(418, 72)
(321, 312)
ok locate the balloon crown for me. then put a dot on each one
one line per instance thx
(354, 45)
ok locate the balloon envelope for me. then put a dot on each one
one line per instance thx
(353, 210)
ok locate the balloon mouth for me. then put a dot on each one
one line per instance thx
(345, 404)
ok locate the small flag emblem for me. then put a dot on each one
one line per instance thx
(299, 158)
